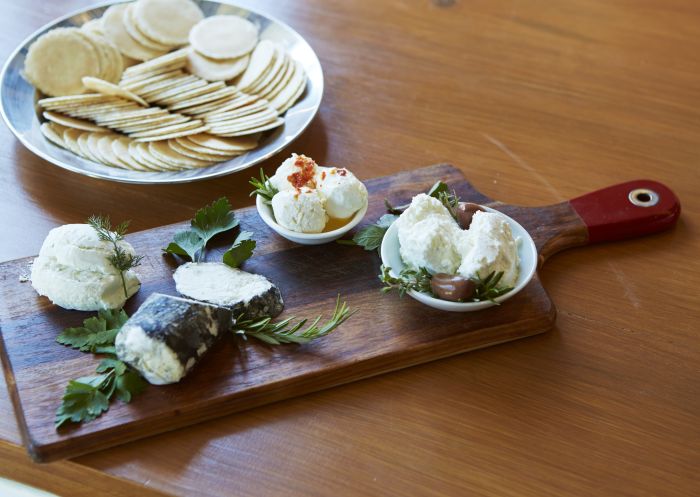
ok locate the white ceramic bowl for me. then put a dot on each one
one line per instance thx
(268, 218)
(527, 253)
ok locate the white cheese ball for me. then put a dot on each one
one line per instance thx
(294, 164)
(431, 244)
(300, 210)
(344, 193)
(488, 246)
(423, 207)
(74, 272)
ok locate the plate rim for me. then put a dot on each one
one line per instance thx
(152, 180)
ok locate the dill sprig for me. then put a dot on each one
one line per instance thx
(263, 187)
(408, 279)
(286, 332)
(120, 259)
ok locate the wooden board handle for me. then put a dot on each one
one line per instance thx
(627, 210)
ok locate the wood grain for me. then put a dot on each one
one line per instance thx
(236, 376)
(536, 102)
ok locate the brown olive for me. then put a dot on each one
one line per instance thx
(465, 212)
(452, 287)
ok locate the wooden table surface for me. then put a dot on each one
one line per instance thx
(536, 101)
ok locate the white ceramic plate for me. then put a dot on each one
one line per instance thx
(18, 102)
(528, 264)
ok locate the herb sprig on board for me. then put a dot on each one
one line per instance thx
(209, 221)
(286, 332)
(120, 259)
(88, 397)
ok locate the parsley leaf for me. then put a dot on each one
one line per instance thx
(97, 332)
(241, 250)
(83, 400)
(88, 397)
(370, 237)
(213, 219)
(186, 243)
(208, 222)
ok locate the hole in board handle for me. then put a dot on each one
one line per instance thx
(643, 197)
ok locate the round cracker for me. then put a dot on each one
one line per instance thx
(223, 144)
(249, 131)
(120, 147)
(179, 148)
(145, 125)
(164, 152)
(186, 143)
(166, 130)
(93, 26)
(142, 83)
(113, 25)
(58, 60)
(107, 88)
(167, 21)
(92, 146)
(273, 72)
(136, 33)
(292, 90)
(260, 61)
(215, 70)
(224, 37)
(228, 91)
(51, 134)
(105, 151)
(194, 93)
(70, 138)
(140, 154)
(248, 110)
(84, 148)
(176, 58)
(177, 134)
(71, 122)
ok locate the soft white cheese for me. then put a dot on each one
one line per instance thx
(280, 180)
(488, 246)
(300, 210)
(219, 283)
(74, 272)
(344, 193)
(429, 237)
(152, 358)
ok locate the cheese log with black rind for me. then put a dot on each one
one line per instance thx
(167, 336)
(247, 295)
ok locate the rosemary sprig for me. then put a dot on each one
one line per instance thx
(486, 289)
(286, 332)
(120, 259)
(263, 187)
(408, 279)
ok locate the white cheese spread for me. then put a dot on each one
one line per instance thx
(74, 272)
(218, 283)
(301, 210)
(344, 193)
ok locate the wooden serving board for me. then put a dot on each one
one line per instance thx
(386, 333)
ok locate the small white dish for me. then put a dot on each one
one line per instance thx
(527, 253)
(268, 218)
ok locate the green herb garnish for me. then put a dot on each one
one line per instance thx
(241, 250)
(486, 289)
(408, 279)
(263, 187)
(86, 398)
(285, 332)
(97, 333)
(208, 222)
(120, 259)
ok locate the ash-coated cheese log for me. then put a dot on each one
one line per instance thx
(247, 295)
(168, 335)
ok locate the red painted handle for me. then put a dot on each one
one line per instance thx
(627, 210)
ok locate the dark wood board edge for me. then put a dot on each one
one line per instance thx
(281, 391)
